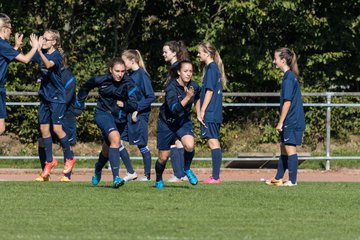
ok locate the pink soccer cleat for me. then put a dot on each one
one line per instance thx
(211, 180)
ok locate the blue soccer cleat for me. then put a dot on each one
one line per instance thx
(118, 182)
(159, 184)
(96, 178)
(191, 176)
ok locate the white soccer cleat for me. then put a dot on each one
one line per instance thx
(130, 176)
(288, 184)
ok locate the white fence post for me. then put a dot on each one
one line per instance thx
(328, 130)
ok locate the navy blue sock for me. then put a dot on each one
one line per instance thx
(188, 157)
(159, 169)
(282, 166)
(126, 159)
(175, 162)
(42, 157)
(66, 148)
(146, 155)
(101, 162)
(182, 161)
(216, 157)
(293, 166)
(114, 158)
(48, 148)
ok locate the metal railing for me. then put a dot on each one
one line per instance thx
(327, 104)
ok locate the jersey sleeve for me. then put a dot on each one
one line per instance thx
(130, 104)
(288, 89)
(8, 52)
(148, 93)
(85, 89)
(210, 79)
(70, 86)
(173, 101)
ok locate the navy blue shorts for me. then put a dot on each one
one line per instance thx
(137, 133)
(291, 137)
(212, 130)
(106, 122)
(69, 127)
(3, 104)
(50, 112)
(167, 135)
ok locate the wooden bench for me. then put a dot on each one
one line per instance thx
(260, 160)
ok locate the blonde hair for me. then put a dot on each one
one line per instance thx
(4, 20)
(290, 58)
(134, 54)
(214, 54)
(55, 36)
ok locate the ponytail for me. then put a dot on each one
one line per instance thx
(134, 54)
(179, 48)
(209, 48)
(290, 58)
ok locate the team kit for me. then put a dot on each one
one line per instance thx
(125, 95)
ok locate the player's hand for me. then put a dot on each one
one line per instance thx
(189, 91)
(279, 127)
(18, 40)
(78, 108)
(34, 41)
(134, 116)
(120, 103)
(41, 42)
(201, 119)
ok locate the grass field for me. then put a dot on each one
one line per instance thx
(231, 210)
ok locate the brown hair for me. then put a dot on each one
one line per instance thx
(179, 48)
(114, 61)
(290, 58)
(209, 48)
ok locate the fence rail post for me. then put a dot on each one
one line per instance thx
(328, 130)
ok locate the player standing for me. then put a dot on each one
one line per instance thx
(291, 123)
(210, 113)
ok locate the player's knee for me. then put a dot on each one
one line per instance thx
(2, 130)
(189, 147)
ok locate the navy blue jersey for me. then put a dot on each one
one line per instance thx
(109, 92)
(52, 88)
(69, 82)
(212, 81)
(171, 111)
(290, 90)
(145, 93)
(7, 54)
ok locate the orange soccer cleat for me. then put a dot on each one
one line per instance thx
(48, 166)
(69, 164)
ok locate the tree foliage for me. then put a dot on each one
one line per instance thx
(324, 34)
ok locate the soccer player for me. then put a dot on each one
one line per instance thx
(117, 99)
(8, 54)
(291, 123)
(210, 112)
(136, 131)
(174, 52)
(174, 121)
(68, 121)
(52, 100)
